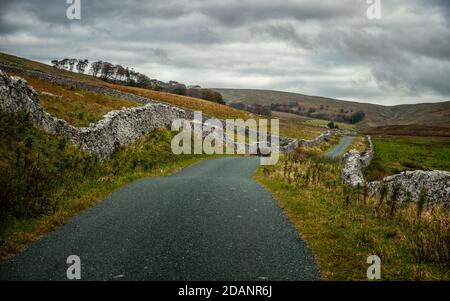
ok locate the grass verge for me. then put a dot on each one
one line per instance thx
(44, 180)
(344, 227)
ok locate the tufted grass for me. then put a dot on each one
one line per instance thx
(76, 106)
(342, 227)
(360, 144)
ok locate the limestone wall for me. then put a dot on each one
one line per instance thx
(116, 129)
(435, 184)
(292, 144)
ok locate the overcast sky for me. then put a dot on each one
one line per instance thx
(326, 48)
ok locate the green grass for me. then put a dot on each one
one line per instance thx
(360, 144)
(396, 154)
(44, 180)
(343, 232)
(321, 122)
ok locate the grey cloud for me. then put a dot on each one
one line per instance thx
(283, 32)
(320, 47)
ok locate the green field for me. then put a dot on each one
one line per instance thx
(321, 122)
(396, 154)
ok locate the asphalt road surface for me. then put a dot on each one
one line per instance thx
(208, 222)
(340, 149)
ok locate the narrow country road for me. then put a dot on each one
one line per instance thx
(340, 149)
(208, 222)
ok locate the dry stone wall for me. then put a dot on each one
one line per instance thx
(351, 172)
(435, 184)
(292, 144)
(116, 129)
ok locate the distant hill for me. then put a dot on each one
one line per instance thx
(425, 114)
(409, 130)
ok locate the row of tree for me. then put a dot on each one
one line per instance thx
(129, 77)
(69, 64)
(104, 70)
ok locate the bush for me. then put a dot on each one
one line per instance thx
(356, 117)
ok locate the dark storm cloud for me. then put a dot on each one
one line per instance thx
(324, 48)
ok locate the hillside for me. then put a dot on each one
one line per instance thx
(53, 104)
(426, 114)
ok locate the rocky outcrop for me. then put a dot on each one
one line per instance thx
(116, 129)
(410, 184)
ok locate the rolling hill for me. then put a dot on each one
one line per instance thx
(90, 105)
(425, 114)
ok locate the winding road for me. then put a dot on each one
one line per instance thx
(209, 222)
(340, 149)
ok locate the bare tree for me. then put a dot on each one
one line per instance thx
(131, 76)
(55, 63)
(120, 72)
(96, 67)
(63, 64)
(72, 63)
(81, 65)
(143, 81)
(107, 70)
